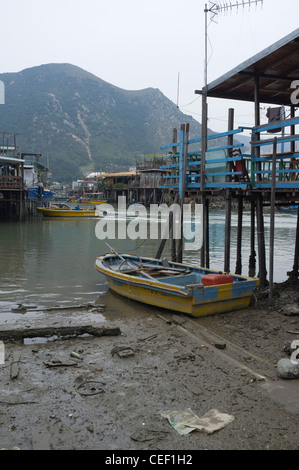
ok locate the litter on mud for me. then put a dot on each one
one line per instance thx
(185, 422)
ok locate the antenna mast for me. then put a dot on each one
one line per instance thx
(225, 7)
(217, 8)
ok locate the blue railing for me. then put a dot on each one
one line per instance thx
(287, 165)
(226, 166)
(218, 159)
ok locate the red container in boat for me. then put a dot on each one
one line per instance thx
(216, 279)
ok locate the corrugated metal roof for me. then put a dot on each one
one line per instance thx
(10, 160)
(277, 67)
(119, 174)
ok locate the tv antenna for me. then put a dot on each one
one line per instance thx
(219, 7)
(216, 8)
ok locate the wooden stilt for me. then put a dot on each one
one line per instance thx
(239, 237)
(169, 229)
(259, 202)
(173, 240)
(182, 188)
(261, 241)
(184, 139)
(295, 273)
(293, 143)
(228, 211)
(207, 236)
(228, 205)
(252, 257)
(272, 221)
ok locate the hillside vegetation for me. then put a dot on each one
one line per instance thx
(79, 122)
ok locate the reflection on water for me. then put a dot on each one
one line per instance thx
(48, 262)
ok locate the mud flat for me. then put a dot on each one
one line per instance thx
(86, 392)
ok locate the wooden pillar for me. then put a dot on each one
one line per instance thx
(259, 204)
(257, 116)
(173, 240)
(261, 241)
(228, 210)
(22, 203)
(293, 145)
(228, 205)
(207, 235)
(272, 221)
(183, 161)
(182, 184)
(252, 257)
(295, 273)
(181, 189)
(230, 141)
(239, 236)
(257, 150)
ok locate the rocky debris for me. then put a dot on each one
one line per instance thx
(122, 351)
(288, 369)
(291, 309)
(289, 347)
(50, 331)
(14, 367)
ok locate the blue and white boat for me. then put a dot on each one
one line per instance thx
(40, 195)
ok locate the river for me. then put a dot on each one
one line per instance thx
(47, 262)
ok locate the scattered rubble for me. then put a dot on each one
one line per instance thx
(288, 369)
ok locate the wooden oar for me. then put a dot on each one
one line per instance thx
(123, 259)
(167, 268)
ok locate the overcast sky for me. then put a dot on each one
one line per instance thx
(136, 44)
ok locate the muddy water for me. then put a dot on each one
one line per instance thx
(50, 262)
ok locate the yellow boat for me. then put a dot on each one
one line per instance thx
(96, 201)
(68, 212)
(178, 287)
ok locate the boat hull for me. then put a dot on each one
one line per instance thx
(68, 212)
(99, 201)
(35, 195)
(90, 201)
(195, 300)
(289, 208)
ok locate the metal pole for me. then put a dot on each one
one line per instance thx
(204, 131)
(206, 46)
(204, 124)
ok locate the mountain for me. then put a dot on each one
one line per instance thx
(80, 123)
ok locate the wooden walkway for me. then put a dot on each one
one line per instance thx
(267, 174)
